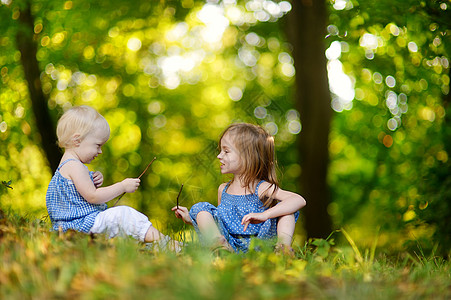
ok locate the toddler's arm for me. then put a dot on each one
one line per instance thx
(84, 185)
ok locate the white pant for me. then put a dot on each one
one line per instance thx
(122, 220)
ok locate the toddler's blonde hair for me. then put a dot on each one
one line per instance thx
(80, 120)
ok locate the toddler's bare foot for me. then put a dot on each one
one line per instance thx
(164, 244)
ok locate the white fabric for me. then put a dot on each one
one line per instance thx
(123, 221)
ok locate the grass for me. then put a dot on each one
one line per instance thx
(39, 264)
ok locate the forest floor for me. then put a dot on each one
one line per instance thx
(39, 264)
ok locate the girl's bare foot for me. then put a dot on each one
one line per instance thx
(221, 243)
(284, 250)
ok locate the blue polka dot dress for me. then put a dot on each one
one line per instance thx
(228, 216)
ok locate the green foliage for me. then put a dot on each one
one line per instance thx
(7, 184)
(387, 144)
(322, 247)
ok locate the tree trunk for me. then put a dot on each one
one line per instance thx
(447, 120)
(28, 49)
(307, 30)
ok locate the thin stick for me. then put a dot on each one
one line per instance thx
(147, 167)
(138, 178)
(179, 196)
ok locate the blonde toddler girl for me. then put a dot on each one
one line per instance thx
(75, 197)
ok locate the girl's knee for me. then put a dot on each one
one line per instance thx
(198, 208)
(204, 215)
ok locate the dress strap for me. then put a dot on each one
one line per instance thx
(258, 185)
(226, 187)
(64, 162)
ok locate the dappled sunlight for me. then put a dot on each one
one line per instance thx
(213, 17)
(134, 44)
(126, 138)
(370, 43)
(341, 85)
(294, 126)
(235, 93)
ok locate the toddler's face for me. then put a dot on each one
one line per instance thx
(229, 156)
(91, 146)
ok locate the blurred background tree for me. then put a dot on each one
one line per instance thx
(306, 29)
(169, 76)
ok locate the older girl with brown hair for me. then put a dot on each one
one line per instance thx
(251, 204)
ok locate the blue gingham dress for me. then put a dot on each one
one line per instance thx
(228, 216)
(66, 207)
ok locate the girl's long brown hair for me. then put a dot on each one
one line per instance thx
(257, 154)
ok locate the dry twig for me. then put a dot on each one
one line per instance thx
(179, 196)
(138, 178)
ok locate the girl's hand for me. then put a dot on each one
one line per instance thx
(98, 179)
(253, 218)
(130, 184)
(181, 212)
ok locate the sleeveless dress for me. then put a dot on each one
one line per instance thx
(66, 207)
(228, 217)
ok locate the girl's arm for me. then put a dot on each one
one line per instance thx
(79, 175)
(182, 212)
(289, 203)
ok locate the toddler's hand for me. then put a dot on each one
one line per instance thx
(130, 184)
(182, 213)
(253, 218)
(98, 179)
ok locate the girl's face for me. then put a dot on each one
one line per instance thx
(229, 157)
(91, 146)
